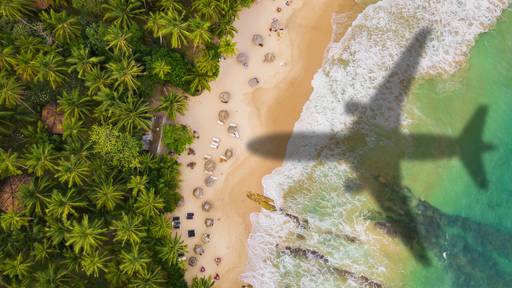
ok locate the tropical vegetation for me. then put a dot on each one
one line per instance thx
(85, 205)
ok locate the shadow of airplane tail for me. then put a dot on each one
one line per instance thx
(472, 146)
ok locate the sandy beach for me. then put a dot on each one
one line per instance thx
(273, 106)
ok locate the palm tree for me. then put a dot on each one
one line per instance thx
(199, 32)
(171, 249)
(51, 68)
(131, 115)
(11, 91)
(42, 251)
(160, 68)
(55, 231)
(73, 129)
(208, 63)
(30, 44)
(155, 24)
(12, 220)
(202, 282)
(26, 66)
(176, 28)
(225, 28)
(7, 57)
(94, 262)
(52, 277)
(149, 204)
(119, 40)
(10, 119)
(17, 267)
(73, 171)
(133, 261)
(74, 105)
(15, 9)
(173, 104)
(199, 81)
(207, 9)
(9, 163)
(85, 236)
(160, 227)
(129, 228)
(65, 27)
(172, 6)
(137, 183)
(227, 47)
(123, 12)
(97, 80)
(33, 195)
(81, 62)
(124, 74)
(108, 100)
(61, 206)
(106, 194)
(40, 158)
(148, 279)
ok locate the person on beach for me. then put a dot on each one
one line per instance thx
(202, 269)
(217, 276)
(217, 260)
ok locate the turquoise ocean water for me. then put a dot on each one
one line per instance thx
(475, 225)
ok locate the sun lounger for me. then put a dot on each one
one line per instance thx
(190, 216)
(191, 233)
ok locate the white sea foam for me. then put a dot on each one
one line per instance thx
(353, 69)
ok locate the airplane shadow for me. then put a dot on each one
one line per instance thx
(374, 145)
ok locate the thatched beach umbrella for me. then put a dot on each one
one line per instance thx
(243, 59)
(224, 97)
(208, 222)
(210, 180)
(209, 165)
(269, 58)
(232, 129)
(192, 261)
(228, 154)
(253, 82)
(207, 206)
(223, 115)
(198, 249)
(257, 39)
(205, 238)
(198, 192)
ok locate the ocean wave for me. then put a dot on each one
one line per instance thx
(352, 70)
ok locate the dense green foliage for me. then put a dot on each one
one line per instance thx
(177, 137)
(91, 213)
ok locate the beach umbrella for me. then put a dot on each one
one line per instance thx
(205, 238)
(223, 115)
(228, 153)
(269, 58)
(198, 192)
(209, 180)
(207, 206)
(208, 222)
(209, 165)
(198, 249)
(253, 82)
(257, 39)
(224, 97)
(192, 261)
(243, 59)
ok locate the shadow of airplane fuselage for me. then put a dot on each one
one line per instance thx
(374, 145)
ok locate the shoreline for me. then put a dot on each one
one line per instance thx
(300, 51)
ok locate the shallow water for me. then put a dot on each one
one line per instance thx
(478, 242)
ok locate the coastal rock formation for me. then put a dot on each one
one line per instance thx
(312, 254)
